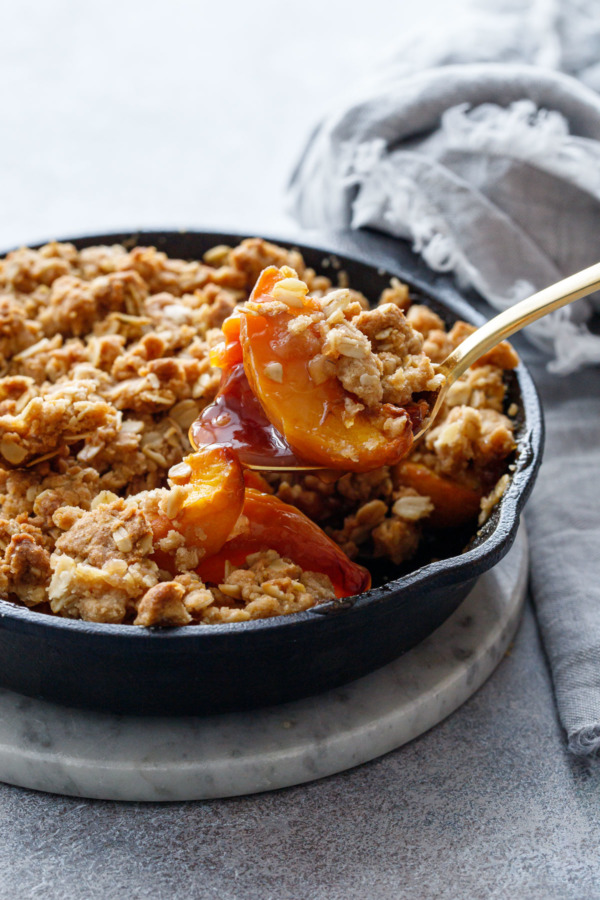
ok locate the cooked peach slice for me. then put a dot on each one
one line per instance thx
(282, 336)
(256, 481)
(454, 503)
(228, 353)
(274, 525)
(205, 501)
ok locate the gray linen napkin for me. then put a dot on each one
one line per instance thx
(492, 170)
(563, 519)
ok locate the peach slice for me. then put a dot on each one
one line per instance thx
(454, 503)
(207, 498)
(275, 525)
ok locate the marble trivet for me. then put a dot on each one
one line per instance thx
(84, 754)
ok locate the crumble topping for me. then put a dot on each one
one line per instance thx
(269, 585)
(376, 354)
(104, 365)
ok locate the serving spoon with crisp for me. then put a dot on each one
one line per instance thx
(238, 419)
(469, 351)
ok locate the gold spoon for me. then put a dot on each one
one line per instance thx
(487, 336)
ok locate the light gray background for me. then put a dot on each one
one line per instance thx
(184, 112)
(119, 114)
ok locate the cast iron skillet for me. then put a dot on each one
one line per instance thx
(212, 668)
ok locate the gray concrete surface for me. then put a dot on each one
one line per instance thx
(486, 805)
(119, 114)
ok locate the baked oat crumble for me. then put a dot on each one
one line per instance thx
(104, 365)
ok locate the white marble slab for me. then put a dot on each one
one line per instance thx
(67, 751)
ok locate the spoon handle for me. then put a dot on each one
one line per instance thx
(517, 317)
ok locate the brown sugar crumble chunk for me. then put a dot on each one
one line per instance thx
(269, 585)
(61, 414)
(375, 353)
(163, 605)
(101, 564)
(25, 568)
(104, 365)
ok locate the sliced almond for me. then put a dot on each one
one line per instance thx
(274, 371)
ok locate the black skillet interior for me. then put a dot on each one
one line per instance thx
(212, 668)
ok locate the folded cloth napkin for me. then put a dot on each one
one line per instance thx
(474, 146)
